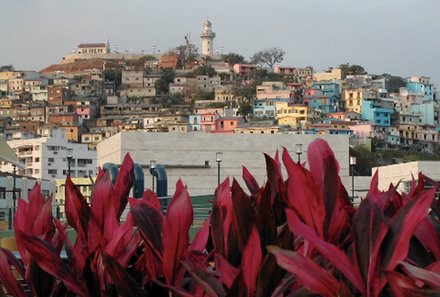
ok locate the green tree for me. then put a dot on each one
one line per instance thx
(113, 75)
(268, 57)
(354, 69)
(233, 58)
(205, 70)
(245, 108)
(7, 68)
(187, 54)
(163, 83)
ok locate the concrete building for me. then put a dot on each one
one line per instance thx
(46, 157)
(207, 37)
(405, 172)
(192, 156)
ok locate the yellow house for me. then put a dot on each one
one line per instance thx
(295, 116)
(85, 185)
(352, 99)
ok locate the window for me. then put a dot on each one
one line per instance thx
(50, 160)
(2, 193)
(37, 160)
(52, 171)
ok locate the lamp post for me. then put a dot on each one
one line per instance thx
(14, 181)
(69, 159)
(218, 159)
(352, 164)
(152, 168)
(298, 151)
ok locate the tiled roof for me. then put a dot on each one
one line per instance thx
(88, 45)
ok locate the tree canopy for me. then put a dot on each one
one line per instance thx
(205, 70)
(234, 58)
(7, 68)
(354, 69)
(268, 57)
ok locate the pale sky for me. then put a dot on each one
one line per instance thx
(400, 37)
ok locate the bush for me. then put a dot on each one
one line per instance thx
(295, 236)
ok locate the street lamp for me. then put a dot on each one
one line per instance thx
(298, 150)
(152, 168)
(14, 180)
(352, 164)
(69, 159)
(218, 159)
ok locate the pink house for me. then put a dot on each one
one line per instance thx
(244, 69)
(226, 125)
(208, 122)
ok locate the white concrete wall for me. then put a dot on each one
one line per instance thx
(405, 171)
(185, 154)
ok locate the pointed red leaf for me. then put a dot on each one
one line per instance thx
(123, 243)
(244, 214)
(429, 277)
(428, 236)
(337, 257)
(125, 285)
(152, 198)
(402, 227)
(43, 222)
(149, 221)
(123, 185)
(228, 273)
(201, 238)
(47, 258)
(208, 283)
(7, 278)
(178, 220)
(77, 210)
(100, 205)
(369, 230)
(304, 195)
(307, 272)
(401, 286)
(250, 263)
(250, 181)
(222, 216)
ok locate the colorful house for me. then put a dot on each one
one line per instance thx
(316, 99)
(376, 112)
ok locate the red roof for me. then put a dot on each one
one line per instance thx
(87, 45)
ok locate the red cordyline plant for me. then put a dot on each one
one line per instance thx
(294, 236)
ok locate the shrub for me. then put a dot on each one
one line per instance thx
(298, 235)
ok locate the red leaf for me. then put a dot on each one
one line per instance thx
(149, 221)
(208, 283)
(308, 273)
(77, 211)
(402, 227)
(43, 223)
(123, 243)
(369, 230)
(244, 214)
(201, 238)
(429, 277)
(428, 237)
(228, 273)
(123, 185)
(46, 258)
(178, 220)
(435, 267)
(328, 250)
(250, 263)
(7, 278)
(250, 181)
(304, 195)
(125, 285)
(401, 286)
(101, 204)
(222, 216)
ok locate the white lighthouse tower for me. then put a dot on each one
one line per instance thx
(207, 37)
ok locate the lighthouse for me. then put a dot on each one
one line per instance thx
(207, 37)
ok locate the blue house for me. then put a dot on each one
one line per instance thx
(374, 111)
(421, 85)
(426, 110)
(327, 88)
(316, 99)
(195, 122)
(265, 108)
